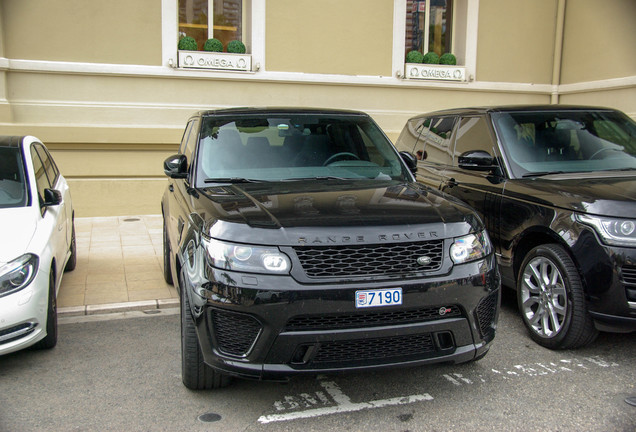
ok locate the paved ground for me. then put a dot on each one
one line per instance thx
(119, 267)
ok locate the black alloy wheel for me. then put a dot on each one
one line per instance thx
(50, 340)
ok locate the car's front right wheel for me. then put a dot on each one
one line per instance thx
(195, 374)
(551, 299)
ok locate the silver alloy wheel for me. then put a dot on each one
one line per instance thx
(544, 297)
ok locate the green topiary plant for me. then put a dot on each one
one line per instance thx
(236, 46)
(188, 43)
(213, 45)
(448, 59)
(414, 57)
(431, 57)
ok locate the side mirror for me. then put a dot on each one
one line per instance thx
(409, 160)
(176, 166)
(52, 197)
(477, 160)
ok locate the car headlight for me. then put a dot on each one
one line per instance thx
(247, 258)
(18, 273)
(470, 248)
(618, 232)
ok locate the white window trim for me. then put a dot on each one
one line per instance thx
(470, 42)
(170, 32)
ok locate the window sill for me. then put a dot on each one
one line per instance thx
(419, 71)
(215, 61)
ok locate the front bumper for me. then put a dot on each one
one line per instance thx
(609, 273)
(271, 327)
(23, 315)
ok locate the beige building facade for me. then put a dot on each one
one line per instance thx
(105, 86)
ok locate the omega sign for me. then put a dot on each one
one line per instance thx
(208, 60)
(428, 72)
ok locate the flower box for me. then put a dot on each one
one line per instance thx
(434, 72)
(215, 60)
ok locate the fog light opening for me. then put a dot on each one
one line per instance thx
(444, 340)
(303, 354)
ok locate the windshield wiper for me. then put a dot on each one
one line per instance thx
(541, 173)
(231, 180)
(316, 178)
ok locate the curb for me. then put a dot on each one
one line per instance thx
(72, 311)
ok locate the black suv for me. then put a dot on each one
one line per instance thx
(556, 187)
(301, 243)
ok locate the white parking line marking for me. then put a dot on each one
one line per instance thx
(343, 404)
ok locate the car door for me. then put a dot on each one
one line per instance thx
(433, 148)
(54, 222)
(481, 188)
(178, 195)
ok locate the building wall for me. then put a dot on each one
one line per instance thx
(599, 40)
(113, 31)
(516, 41)
(112, 111)
(352, 37)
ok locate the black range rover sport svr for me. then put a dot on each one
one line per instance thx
(300, 243)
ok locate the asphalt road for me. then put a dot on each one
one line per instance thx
(123, 374)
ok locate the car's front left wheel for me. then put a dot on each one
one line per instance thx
(50, 340)
(195, 374)
(551, 299)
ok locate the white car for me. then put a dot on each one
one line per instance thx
(38, 243)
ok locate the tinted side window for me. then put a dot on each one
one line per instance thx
(472, 134)
(191, 142)
(49, 166)
(410, 134)
(184, 138)
(41, 179)
(434, 144)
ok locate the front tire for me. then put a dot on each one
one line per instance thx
(551, 299)
(195, 374)
(50, 340)
(167, 269)
(72, 260)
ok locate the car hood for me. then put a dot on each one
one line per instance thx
(600, 193)
(17, 227)
(332, 211)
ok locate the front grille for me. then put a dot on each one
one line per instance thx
(358, 320)
(374, 348)
(485, 314)
(235, 333)
(16, 332)
(362, 260)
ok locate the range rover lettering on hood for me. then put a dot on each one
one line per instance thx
(314, 240)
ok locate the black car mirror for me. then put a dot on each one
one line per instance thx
(52, 197)
(176, 166)
(410, 161)
(477, 160)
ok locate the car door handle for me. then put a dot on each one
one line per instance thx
(171, 188)
(451, 183)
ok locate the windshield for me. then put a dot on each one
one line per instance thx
(544, 142)
(13, 192)
(295, 147)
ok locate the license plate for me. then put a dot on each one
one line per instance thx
(380, 297)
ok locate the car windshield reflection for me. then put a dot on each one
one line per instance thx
(542, 143)
(13, 191)
(294, 147)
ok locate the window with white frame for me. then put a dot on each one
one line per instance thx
(429, 26)
(439, 39)
(225, 20)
